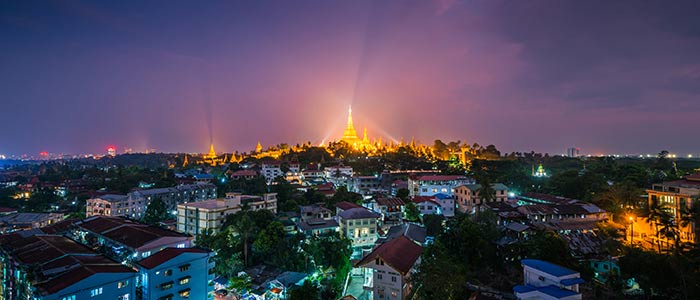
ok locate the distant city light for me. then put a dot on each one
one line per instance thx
(690, 156)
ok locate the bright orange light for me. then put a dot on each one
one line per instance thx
(631, 218)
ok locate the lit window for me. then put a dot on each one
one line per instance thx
(71, 297)
(96, 292)
(185, 293)
(122, 284)
(184, 280)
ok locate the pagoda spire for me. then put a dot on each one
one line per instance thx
(350, 135)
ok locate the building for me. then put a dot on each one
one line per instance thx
(53, 267)
(317, 227)
(196, 217)
(126, 240)
(427, 205)
(364, 185)
(447, 204)
(467, 195)
(545, 280)
(345, 205)
(573, 152)
(412, 231)
(25, 221)
(428, 185)
(390, 208)
(673, 196)
(392, 264)
(360, 226)
(177, 273)
(243, 174)
(314, 211)
(134, 204)
(339, 171)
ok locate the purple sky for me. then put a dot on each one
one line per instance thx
(605, 76)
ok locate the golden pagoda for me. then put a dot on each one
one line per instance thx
(211, 158)
(349, 135)
(258, 148)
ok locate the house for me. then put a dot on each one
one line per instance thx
(317, 227)
(413, 232)
(427, 205)
(125, 239)
(338, 171)
(196, 217)
(176, 273)
(246, 174)
(545, 280)
(360, 226)
(429, 185)
(392, 264)
(364, 185)
(391, 208)
(271, 170)
(314, 211)
(345, 205)
(674, 195)
(53, 267)
(312, 172)
(447, 203)
(467, 196)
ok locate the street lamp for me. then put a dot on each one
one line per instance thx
(631, 229)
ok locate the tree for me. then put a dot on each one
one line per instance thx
(156, 212)
(403, 194)
(308, 291)
(433, 224)
(270, 240)
(411, 212)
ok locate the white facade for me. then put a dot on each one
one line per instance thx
(430, 185)
(194, 218)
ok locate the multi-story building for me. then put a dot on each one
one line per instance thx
(24, 221)
(467, 196)
(673, 196)
(364, 185)
(427, 205)
(314, 211)
(177, 273)
(196, 217)
(126, 240)
(339, 171)
(134, 204)
(545, 280)
(391, 209)
(392, 265)
(360, 226)
(53, 267)
(429, 185)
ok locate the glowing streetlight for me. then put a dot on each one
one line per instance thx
(631, 229)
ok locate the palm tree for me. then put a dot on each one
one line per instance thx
(245, 228)
(668, 229)
(690, 217)
(654, 213)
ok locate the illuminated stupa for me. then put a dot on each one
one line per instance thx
(211, 158)
(350, 135)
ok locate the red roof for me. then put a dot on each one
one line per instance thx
(167, 254)
(345, 205)
(693, 177)
(390, 201)
(400, 253)
(441, 177)
(421, 199)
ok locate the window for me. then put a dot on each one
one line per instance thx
(184, 280)
(168, 272)
(166, 285)
(379, 276)
(96, 292)
(123, 297)
(122, 284)
(181, 245)
(393, 278)
(185, 293)
(166, 297)
(184, 268)
(71, 297)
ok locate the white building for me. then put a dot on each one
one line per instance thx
(547, 281)
(392, 265)
(134, 204)
(196, 217)
(447, 204)
(429, 185)
(427, 205)
(338, 171)
(360, 226)
(272, 170)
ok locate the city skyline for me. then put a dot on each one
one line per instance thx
(539, 76)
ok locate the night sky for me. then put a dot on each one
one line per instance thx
(605, 76)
